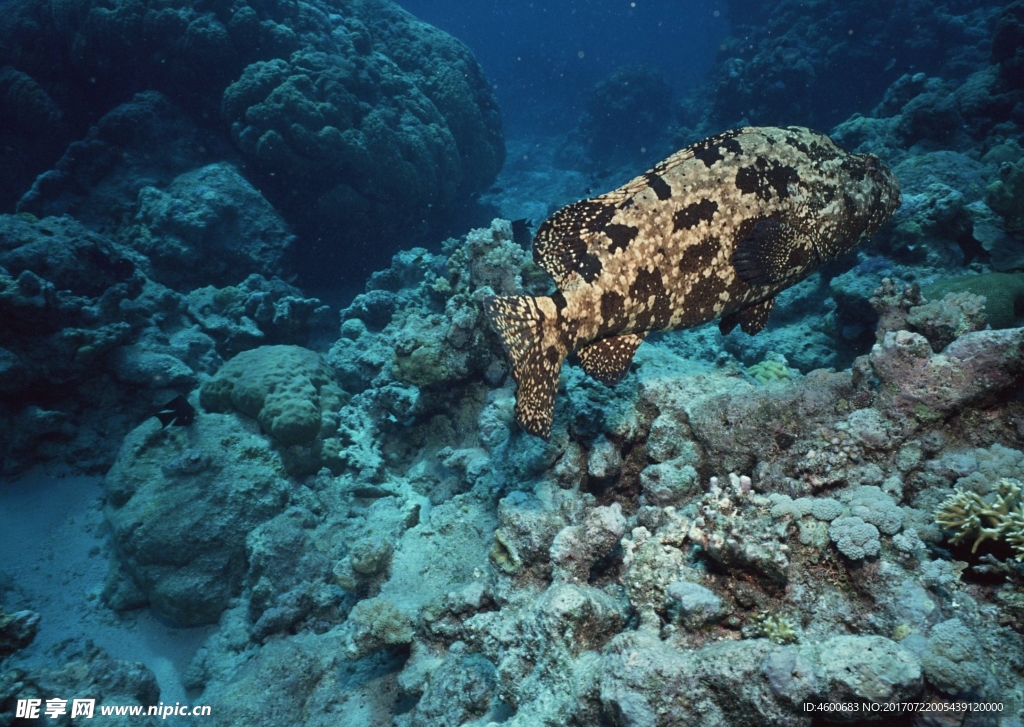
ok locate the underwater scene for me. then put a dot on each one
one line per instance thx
(582, 363)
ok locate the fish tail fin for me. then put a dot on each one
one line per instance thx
(531, 331)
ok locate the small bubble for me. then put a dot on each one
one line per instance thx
(632, 5)
(580, 54)
(716, 13)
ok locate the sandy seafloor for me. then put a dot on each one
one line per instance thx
(54, 548)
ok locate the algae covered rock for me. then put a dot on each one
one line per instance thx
(1003, 293)
(210, 225)
(942, 321)
(867, 668)
(85, 670)
(1005, 196)
(954, 660)
(279, 386)
(917, 383)
(17, 630)
(180, 503)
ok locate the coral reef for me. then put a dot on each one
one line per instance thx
(98, 178)
(181, 504)
(970, 516)
(375, 515)
(375, 115)
(82, 315)
(788, 61)
(208, 226)
(87, 673)
(829, 511)
(547, 550)
(626, 118)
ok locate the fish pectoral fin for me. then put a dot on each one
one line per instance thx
(562, 245)
(608, 359)
(752, 320)
(773, 253)
(536, 349)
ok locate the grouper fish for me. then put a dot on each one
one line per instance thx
(714, 231)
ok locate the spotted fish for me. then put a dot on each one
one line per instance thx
(717, 230)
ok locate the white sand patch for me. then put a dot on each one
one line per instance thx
(53, 551)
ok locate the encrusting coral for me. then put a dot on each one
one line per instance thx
(970, 515)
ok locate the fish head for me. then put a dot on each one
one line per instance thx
(882, 192)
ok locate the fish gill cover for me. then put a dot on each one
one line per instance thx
(343, 523)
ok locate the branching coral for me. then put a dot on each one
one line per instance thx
(775, 627)
(970, 515)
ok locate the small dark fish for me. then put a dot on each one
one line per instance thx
(120, 267)
(521, 232)
(177, 412)
(124, 269)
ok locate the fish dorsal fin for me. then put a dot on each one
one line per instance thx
(562, 243)
(608, 359)
(773, 252)
(752, 320)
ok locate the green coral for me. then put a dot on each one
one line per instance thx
(769, 371)
(504, 553)
(775, 627)
(285, 388)
(969, 515)
(1003, 292)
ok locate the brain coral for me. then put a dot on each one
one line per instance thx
(854, 538)
(283, 387)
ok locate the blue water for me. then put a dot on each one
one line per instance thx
(543, 57)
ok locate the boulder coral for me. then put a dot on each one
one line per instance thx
(285, 388)
(373, 114)
(180, 503)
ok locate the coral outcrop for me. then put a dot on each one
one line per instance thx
(626, 567)
(374, 115)
(181, 503)
(287, 389)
